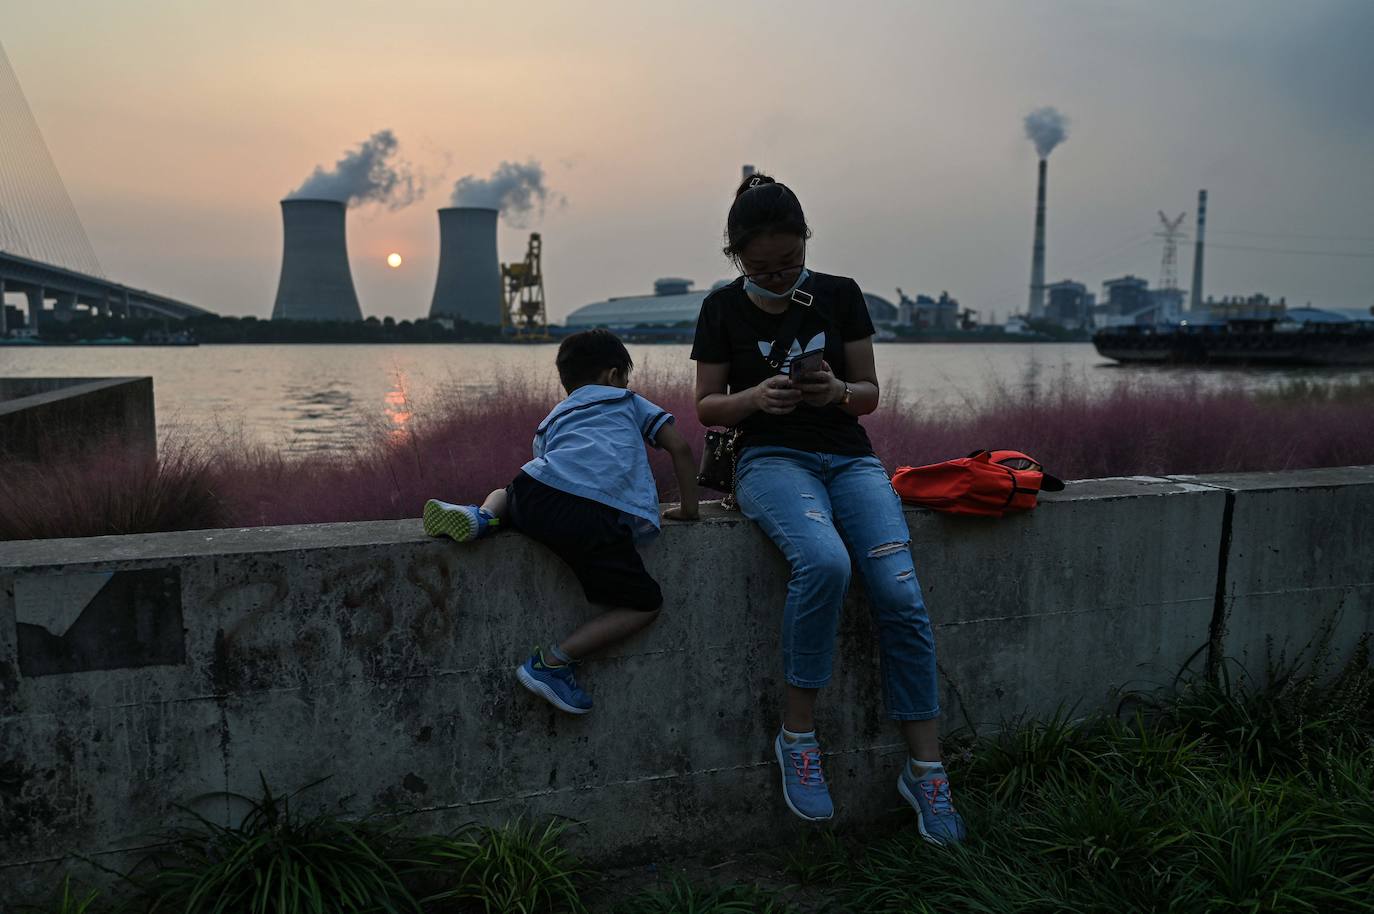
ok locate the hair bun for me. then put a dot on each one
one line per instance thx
(755, 180)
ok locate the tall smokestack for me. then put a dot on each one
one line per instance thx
(1046, 128)
(1195, 296)
(1036, 308)
(469, 280)
(315, 284)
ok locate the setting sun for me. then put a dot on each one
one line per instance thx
(393, 260)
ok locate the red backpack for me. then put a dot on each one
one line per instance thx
(985, 483)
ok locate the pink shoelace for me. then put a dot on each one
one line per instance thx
(937, 794)
(807, 763)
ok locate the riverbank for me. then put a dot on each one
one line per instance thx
(459, 446)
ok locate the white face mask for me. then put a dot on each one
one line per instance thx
(754, 288)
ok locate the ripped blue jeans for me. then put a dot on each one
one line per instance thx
(828, 514)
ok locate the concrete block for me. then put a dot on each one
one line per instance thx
(42, 417)
(1109, 584)
(1299, 579)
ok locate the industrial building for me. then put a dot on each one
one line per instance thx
(1069, 304)
(1247, 307)
(316, 283)
(1125, 300)
(1130, 300)
(921, 312)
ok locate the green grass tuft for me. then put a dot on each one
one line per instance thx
(682, 897)
(68, 902)
(517, 868)
(276, 861)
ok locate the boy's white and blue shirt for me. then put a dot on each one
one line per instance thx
(592, 445)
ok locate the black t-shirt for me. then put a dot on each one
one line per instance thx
(733, 329)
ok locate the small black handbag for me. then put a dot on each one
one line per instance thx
(719, 453)
(718, 461)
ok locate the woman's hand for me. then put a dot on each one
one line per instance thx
(777, 396)
(821, 388)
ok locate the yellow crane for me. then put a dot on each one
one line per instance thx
(523, 317)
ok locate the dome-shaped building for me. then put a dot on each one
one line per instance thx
(673, 304)
(880, 310)
(676, 305)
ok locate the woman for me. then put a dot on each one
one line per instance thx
(807, 475)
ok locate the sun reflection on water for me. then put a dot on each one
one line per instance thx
(398, 408)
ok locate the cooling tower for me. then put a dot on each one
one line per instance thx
(315, 284)
(1036, 307)
(1195, 294)
(469, 280)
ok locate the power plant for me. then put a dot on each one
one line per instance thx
(468, 284)
(316, 283)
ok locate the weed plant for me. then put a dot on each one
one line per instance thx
(818, 858)
(683, 897)
(518, 868)
(69, 902)
(276, 861)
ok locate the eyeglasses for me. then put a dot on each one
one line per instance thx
(786, 274)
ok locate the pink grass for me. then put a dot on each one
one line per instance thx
(461, 446)
(109, 491)
(1139, 430)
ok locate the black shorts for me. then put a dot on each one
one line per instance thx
(591, 537)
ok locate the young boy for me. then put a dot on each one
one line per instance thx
(588, 495)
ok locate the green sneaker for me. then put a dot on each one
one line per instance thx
(461, 522)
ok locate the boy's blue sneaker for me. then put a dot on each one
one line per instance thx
(555, 684)
(803, 782)
(462, 522)
(936, 817)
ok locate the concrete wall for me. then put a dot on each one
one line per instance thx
(42, 417)
(1299, 548)
(137, 673)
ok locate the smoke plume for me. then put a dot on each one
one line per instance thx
(1047, 128)
(372, 173)
(515, 189)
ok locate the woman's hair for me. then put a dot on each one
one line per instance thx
(762, 207)
(583, 356)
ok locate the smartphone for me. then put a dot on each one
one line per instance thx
(805, 363)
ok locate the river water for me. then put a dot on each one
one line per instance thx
(307, 398)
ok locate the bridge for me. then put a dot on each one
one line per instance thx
(70, 291)
(46, 261)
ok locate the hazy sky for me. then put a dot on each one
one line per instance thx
(178, 126)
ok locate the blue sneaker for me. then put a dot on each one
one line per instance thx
(462, 522)
(803, 782)
(936, 817)
(555, 684)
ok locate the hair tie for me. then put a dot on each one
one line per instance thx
(755, 181)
